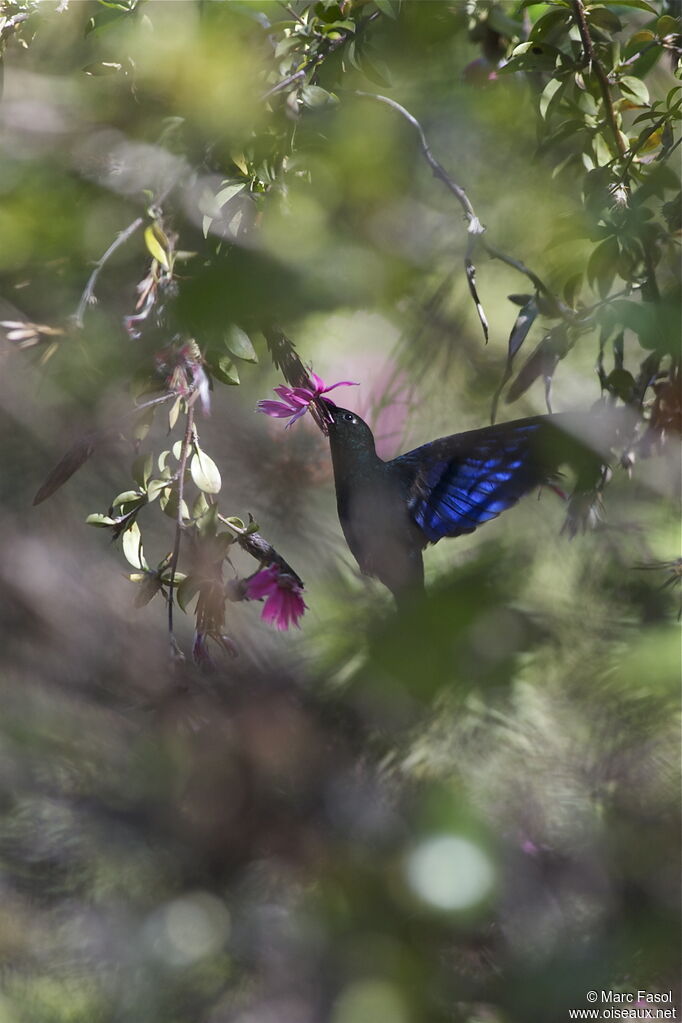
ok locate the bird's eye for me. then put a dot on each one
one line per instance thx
(349, 417)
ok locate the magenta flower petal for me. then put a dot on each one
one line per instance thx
(341, 383)
(295, 397)
(262, 583)
(297, 415)
(276, 409)
(284, 604)
(296, 401)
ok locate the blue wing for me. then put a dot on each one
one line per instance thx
(458, 483)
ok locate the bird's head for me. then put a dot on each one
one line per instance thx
(348, 433)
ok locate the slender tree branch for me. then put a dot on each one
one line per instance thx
(179, 524)
(289, 80)
(593, 61)
(475, 228)
(87, 298)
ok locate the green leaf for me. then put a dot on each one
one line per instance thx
(132, 546)
(233, 520)
(549, 93)
(148, 588)
(103, 521)
(154, 246)
(156, 487)
(667, 26)
(131, 497)
(601, 267)
(239, 343)
(604, 19)
(602, 153)
(313, 96)
(173, 413)
(634, 90)
(545, 25)
(143, 424)
(639, 4)
(387, 8)
(205, 472)
(142, 469)
(532, 56)
(224, 369)
(187, 591)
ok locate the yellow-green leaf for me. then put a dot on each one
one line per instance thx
(205, 472)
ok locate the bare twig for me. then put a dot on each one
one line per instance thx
(179, 524)
(289, 80)
(593, 61)
(87, 298)
(475, 228)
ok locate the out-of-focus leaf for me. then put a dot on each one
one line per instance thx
(554, 19)
(602, 18)
(551, 93)
(224, 369)
(97, 519)
(128, 497)
(602, 153)
(143, 424)
(313, 96)
(541, 363)
(75, 457)
(532, 56)
(132, 546)
(239, 343)
(519, 332)
(641, 5)
(147, 590)
(142, 469)
(173, 413)
(622, 384)
(634, 89)
(187, 591)
(205, 472)
(602, 265)
(387, 8)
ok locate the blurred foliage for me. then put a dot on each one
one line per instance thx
(468, 812)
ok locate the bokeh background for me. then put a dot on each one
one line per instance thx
(468, 813)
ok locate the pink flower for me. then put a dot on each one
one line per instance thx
(297, 400)
(284, 604)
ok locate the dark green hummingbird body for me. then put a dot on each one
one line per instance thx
(372, 502)
(390, 511)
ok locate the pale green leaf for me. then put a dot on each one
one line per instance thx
(205, 472)
(239, 343)
(132, 546)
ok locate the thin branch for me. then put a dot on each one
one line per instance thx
(593, 61)
(87, 298)
(289, 80)
(179, 524)
(475, 228)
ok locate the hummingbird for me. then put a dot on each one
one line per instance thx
(391, 510)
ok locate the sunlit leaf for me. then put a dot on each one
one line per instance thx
(205, 472)
(132, 546)
(96, 519)
(635, 90)
(154, 246)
